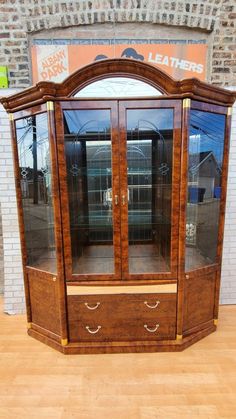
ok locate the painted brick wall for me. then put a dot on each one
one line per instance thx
(13, 277)
(1, 255)
(228, 277)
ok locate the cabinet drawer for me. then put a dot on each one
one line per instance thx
(122, 306)
(122, 317)
(127, 329)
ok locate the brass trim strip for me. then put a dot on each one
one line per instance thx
(50, 106)
(125, 289)
(29, 325)
(179, 337)
(64, 342)
(229, 113)
(11, 116)
(186, 103)
(215, 322)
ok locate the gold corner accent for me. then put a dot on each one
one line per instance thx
(29, 325)
(215, 322)
(179, 337)
(50, 106)
(229, 113)
(64, 342)
(11, 117)
(186, 103)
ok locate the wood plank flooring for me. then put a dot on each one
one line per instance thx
(38, 382)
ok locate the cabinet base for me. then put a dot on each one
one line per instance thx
(124, 347)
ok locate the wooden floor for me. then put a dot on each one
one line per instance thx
(38, 382)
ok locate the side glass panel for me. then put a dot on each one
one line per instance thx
(206, 147)
(149, 171)
(89, 180)
(36, 188)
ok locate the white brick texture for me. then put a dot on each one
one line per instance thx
(13, 276)
(228, 275)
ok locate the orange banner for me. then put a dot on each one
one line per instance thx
(56, 62)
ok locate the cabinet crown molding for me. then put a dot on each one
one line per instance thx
(45, 91)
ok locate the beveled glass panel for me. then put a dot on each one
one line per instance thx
(149, 172)
(36, 187)
(206, 147)
(89, 179)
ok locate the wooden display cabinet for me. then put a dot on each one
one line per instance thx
(121, 208)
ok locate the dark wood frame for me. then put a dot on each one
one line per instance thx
(203, 97)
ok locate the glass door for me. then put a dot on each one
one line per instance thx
(204, 189)
(207, 154)
(150, 156)
(121, 160)
(91, 164)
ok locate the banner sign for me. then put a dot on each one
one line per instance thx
(54, 62)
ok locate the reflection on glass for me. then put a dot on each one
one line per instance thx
(118, 87)
(206, 146)
(149, 165)
(89, 180)
(36, 188)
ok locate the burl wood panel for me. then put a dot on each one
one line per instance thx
(199, 297)
(44, 301)
(129, 330)
(122, 317)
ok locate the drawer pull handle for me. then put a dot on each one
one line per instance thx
(151, 330)
(92, 307)
(93, 331)
(152, 306)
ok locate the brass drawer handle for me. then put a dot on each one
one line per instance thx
(93, 331)
(151, 330)
(92, 307)
(152, 306)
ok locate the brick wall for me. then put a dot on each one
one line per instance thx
(13, 278)
(228, 282)
(1, 255)
(19, 19)
(224, 46)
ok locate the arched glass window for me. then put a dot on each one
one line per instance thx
(118, 87)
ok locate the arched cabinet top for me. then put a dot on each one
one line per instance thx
(118, 67)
